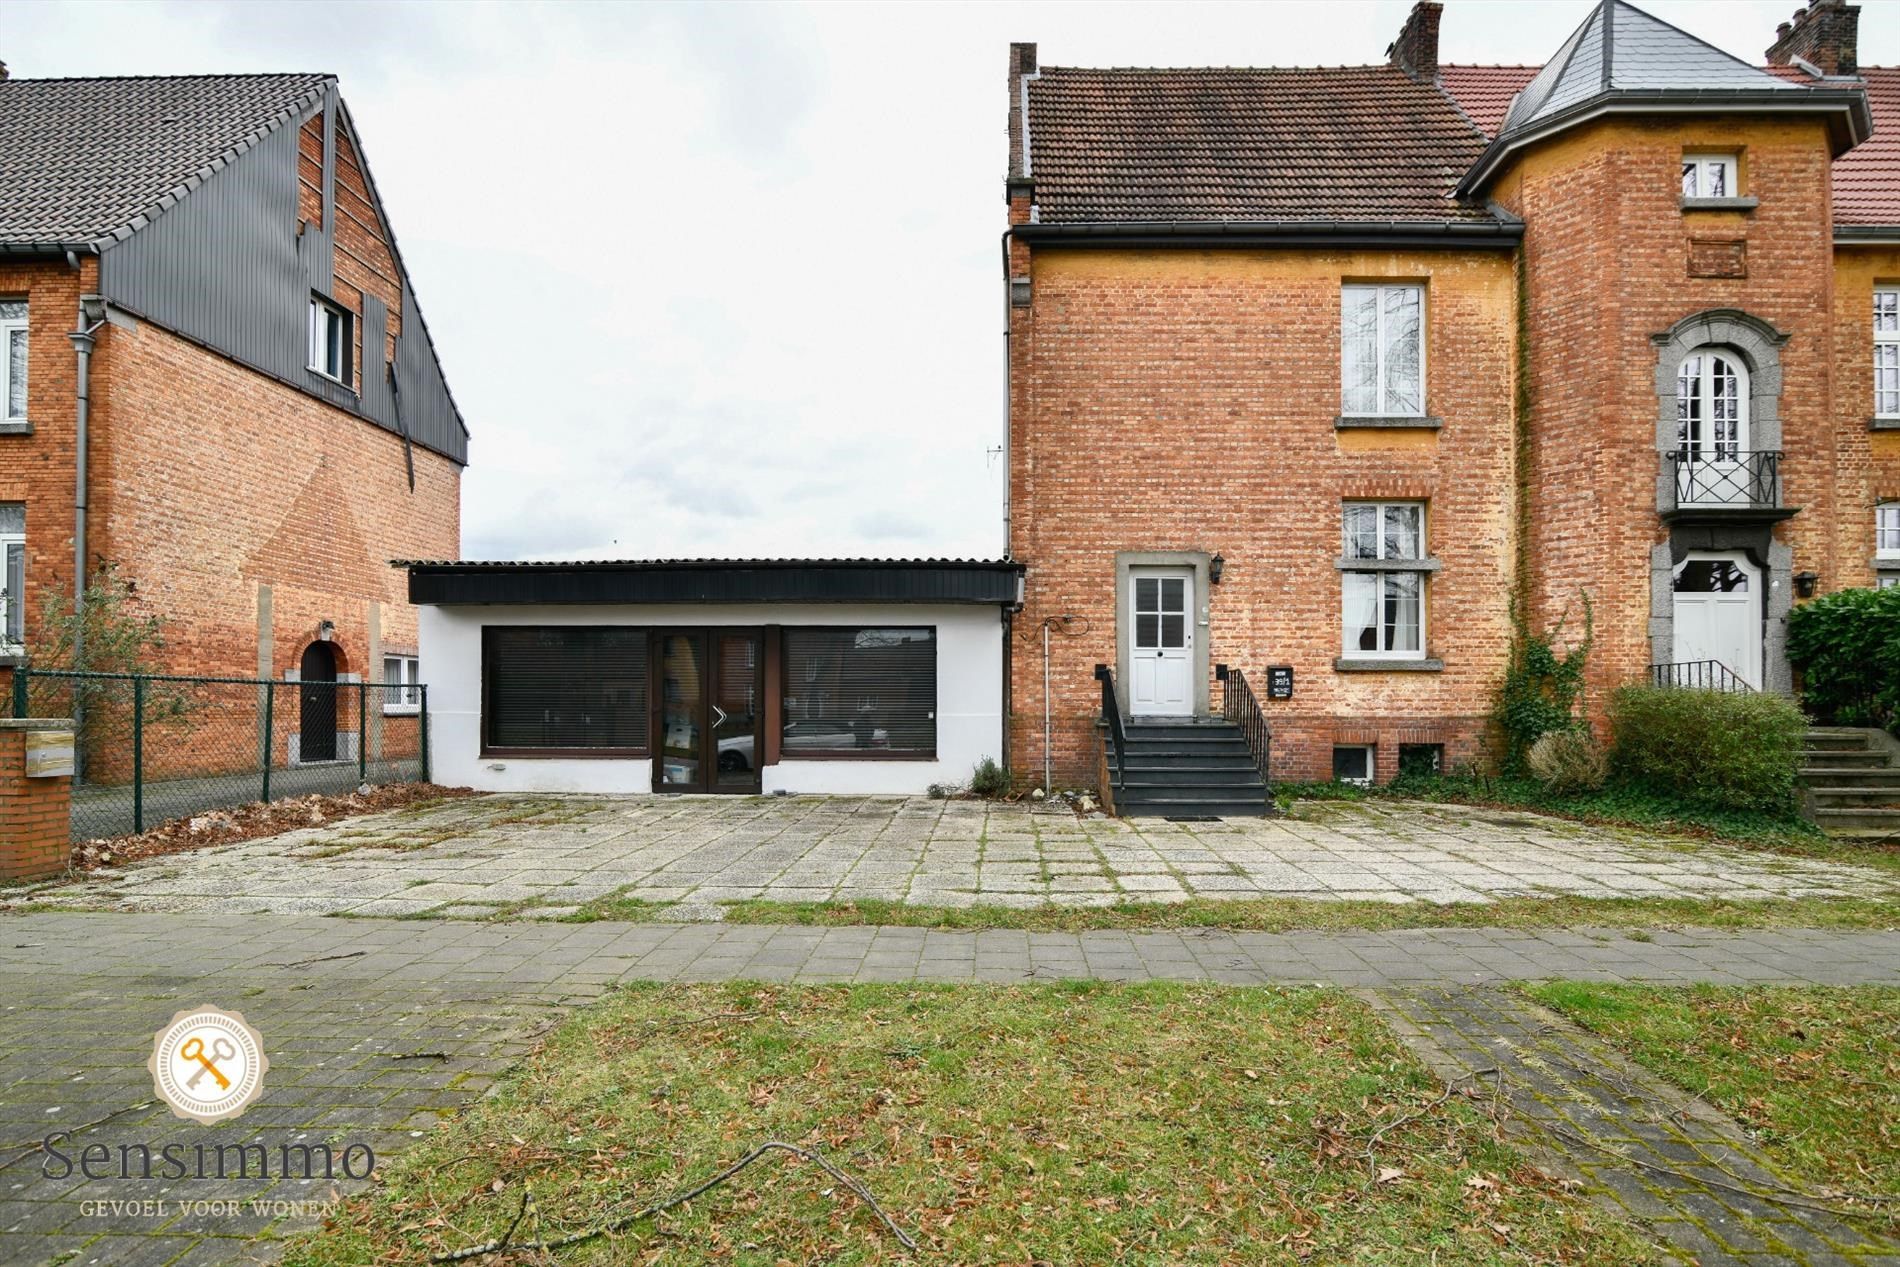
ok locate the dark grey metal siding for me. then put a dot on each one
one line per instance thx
(226, 267)
(714, 582)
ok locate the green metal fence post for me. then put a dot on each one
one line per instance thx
(270, 735)
(422, 721)
(362, 731)
(19, 691)
(138, 755)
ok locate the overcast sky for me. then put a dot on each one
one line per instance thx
(724, 279)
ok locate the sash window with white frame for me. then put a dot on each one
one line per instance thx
(12, 360)
(1887, 351)
(1383, 607)
(401, 671)
(1709, 176)
(12, 575)
(1382, 350)
(1887, 545)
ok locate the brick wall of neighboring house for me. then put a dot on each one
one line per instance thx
(1607, 260)
(37, 468)
(1867, 462)
(222, 494)
(1185, 401)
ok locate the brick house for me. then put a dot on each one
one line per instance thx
(1313, 370)
(217, 378)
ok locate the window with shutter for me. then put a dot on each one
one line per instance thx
(559, 687)
(860, 692)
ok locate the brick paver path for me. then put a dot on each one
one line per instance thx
(337, 999)
(1637, 1144)
(475, 856)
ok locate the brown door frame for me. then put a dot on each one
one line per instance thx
(706, 637)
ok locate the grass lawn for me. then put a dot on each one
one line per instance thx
(1813, 1073)
(1276, 915)
(1081, 1123)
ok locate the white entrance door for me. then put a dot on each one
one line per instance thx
(1718, 612)
(1712, 465)
(1162, 643)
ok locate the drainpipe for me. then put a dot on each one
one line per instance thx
(1009, 318)
(1046, 775)
(83, 341)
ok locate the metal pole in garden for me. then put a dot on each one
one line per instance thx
(362, 732)
(19, 691)
(138, 755)
(422, 720)
(270, 695)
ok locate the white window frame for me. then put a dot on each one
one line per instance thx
(407, 701)
(1379, 292)
(1887, 581)
(9, 326)
(1423, 572)
(1372, 762)
(1886, 313)
(1699, 168)
(1887, 530)
(321, 310)
(12, 605)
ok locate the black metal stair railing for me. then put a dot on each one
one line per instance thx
(1112, 722)
(1699, 675)
(1240, 707)
(1727, 478)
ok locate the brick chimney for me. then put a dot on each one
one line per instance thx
(1416, 50)
(1022, 61)
(1826, 33)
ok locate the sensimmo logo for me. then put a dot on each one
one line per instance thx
(208, 1064)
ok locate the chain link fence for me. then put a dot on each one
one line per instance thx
(151, 748)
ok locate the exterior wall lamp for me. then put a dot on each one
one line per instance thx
(326, 631)
(1804, 584)
(1215, 566)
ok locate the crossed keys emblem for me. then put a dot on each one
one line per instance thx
(194, 1049)
(208, 1064)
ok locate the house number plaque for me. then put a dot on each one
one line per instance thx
(1279, 681)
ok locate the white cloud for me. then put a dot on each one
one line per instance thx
(725, 279)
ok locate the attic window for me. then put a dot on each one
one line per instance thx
(330, 340)
(1709, 176)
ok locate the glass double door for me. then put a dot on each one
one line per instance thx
(709, 710)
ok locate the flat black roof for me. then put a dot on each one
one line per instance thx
(628, 581)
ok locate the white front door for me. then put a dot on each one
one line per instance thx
(1161, 644)
(1718, 612)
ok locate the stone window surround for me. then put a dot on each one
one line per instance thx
(1758, 344)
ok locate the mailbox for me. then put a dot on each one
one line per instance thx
(49, 754)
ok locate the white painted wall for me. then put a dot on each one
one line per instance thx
(969, 696)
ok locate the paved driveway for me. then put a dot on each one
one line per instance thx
(545, 856)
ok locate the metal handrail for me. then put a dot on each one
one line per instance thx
(1112, 716)
(1732, 478)
(1699, 675)
(1242, 708)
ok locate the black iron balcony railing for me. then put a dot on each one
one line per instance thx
(1726, 477)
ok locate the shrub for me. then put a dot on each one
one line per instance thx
(1723, 749)
(1847, 648)
(989, 780)
(1569, 761)
(1540, 689)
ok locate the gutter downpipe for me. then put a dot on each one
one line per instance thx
(83, 338)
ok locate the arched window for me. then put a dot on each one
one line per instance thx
(1712, 406)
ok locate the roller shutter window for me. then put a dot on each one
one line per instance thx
(860, 692)
(565, 687)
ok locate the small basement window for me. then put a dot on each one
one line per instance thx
(1710, 176)
(1421, 760)
(402, 675)
(331, 342)
(1354, 763)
